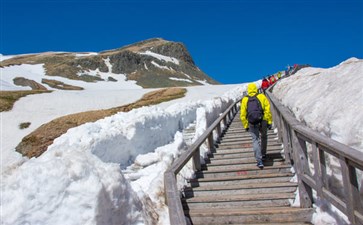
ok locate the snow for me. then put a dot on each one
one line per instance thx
(111, 171)
(161, 67)
(161, 57)
(332, 98)
(86, 54)
(37, 73)
(5, 57)
(180, 79)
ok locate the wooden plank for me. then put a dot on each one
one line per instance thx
(245, 186)
(261, 215)
(305, 192)
(318, 177)
(248, 197)
(242, 177)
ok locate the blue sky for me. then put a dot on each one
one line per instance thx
(233, 41)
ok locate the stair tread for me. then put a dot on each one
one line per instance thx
(246, 211)
(245, 186)
(242, 177)
(240, 167)
(240, 197)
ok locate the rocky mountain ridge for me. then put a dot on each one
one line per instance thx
(151, 63)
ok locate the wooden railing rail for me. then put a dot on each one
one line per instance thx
(176, 212)
(308, 151)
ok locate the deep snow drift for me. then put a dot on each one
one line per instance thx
(332, 100)
(111, 171)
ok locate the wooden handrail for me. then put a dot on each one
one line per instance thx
(176, 212)
(297, 138)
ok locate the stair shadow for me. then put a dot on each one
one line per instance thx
(269, 161)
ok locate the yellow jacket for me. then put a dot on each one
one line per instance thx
(251, 91)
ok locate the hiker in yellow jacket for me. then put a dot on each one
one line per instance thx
(259, 127)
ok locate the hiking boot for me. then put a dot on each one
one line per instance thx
(260, 164)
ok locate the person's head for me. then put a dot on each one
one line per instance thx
(252, 89)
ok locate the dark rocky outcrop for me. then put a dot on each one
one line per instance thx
(21, 81)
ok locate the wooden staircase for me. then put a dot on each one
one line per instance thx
(231, 189)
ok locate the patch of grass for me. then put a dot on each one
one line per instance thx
(37, 142)
(24, 125)
(8, 98)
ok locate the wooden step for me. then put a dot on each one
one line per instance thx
(240, 197)
(240, 160)
(242, 153)
(237, 204)
(254, 170)
(246, 146)
(244, 186)
(240, 167)
(242, 179)
(255, 215)
(227, 145)
(242, 132)
(246, 189)
(243, 141)
(232, 150)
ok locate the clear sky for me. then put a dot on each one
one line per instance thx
(233, 41)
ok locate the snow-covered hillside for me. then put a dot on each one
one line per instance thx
(111, 171)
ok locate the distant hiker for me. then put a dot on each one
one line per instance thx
(256, 118)
(265, 84)
(279, 75)
(272, 79)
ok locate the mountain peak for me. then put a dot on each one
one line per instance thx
(152, 63)
(139, 46)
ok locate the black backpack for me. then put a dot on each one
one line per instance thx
(254, 110)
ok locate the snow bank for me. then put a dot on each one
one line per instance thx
(332, 102)
(78, 180)
(68, 187)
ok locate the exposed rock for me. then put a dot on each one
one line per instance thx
(21, 81)
(60, 85)
(111, 79)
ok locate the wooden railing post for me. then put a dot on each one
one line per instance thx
(305, 192)
(196, 160)
(211, 142)
(286, 141)
(318, 157)
(219, 130)
(173, 200)
(352, 196)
